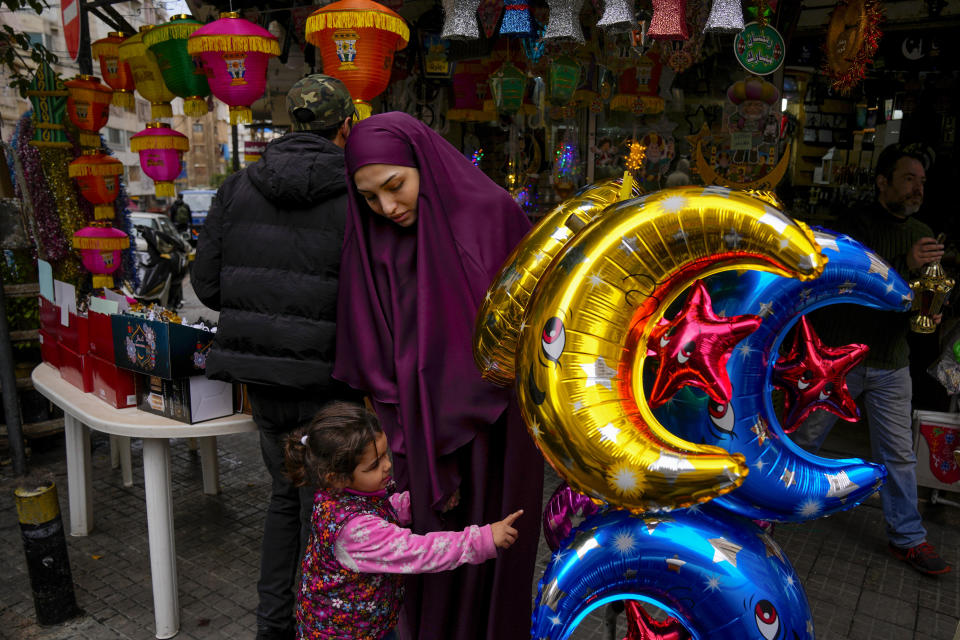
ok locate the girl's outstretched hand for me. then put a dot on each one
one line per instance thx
(504, 534)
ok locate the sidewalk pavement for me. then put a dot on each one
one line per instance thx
(856, 590)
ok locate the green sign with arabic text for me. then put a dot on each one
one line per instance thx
(759, 50)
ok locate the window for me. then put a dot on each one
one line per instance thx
(38, 38)
(133, 174)
(198, 127)
(116, 136)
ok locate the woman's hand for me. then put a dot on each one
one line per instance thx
(504, 534)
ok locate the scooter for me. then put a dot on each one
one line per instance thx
(161, 269)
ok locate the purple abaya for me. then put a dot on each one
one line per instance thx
(408, 299)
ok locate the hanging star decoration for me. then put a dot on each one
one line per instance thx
(694, 347)
(814, 376)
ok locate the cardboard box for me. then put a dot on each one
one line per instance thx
(50, 318)
(113, 385)
(49, 348)
(936, 437)
(190, 399)
(75, 369)
(76, 334)
(162, 349)
(100, 331)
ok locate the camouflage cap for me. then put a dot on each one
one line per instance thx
(318, 102)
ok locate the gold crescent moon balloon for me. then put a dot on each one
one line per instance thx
(582, 349)
(501, 315)
(768, 181)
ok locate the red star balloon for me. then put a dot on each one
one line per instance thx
(641, 626)
(694, 347)
(814, 376)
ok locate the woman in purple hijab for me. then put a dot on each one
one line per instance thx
(426, 234)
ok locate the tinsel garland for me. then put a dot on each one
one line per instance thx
(846, 79)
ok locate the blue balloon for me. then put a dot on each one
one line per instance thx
(720, 575)
(785, 483)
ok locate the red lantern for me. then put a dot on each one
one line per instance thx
(88, 107)
(235, 53)
(100, 251)
(115, 72)
(160, 148)
(357, 40)
(98, 177)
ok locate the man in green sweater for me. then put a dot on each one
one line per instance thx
(883, 379)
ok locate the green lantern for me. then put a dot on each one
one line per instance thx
(564, 78)
(508, 84)
(183, 74)
(48, 95)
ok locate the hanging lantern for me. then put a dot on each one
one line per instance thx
(563, 24)
(460, 20)
(160, 148)
(618, 16)
(253, 150)
(470, 91)
(48, 95)
(146, 74)
(98, 177)
(182, 73)
(508, 85)
(101, 252)
(669, 20)
(235, 53)
(564, 78)
(726, 16)
(516, 19)
(627, 90)
(115, 73)
(88, 107)
(357, 40)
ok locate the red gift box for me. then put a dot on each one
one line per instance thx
(76, 334)
(111, 384)
(49, 348)
(100, 332)
(50, 318)
(75, 369)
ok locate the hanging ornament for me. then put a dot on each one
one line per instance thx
(853, 35)
(48, 95)
(160, 149)
(617, 16)
(640, 37)
(115, 73)
(759, 49)
(564, 22)
(564, 78)
(235, 53)
(98, 178)
(669, 20)
(489, 12)
(146, 74)
(516, 19)
(182, 73)
(508, 84)
(726, 16)
(534, 47)
(88, 107)
(357, 40)
(101, 251)
(460, 20)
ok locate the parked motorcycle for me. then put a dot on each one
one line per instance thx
(161, 269)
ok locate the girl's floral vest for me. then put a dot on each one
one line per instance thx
(335, 602)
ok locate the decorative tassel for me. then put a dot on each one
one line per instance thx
(124, 100)
(669, 20)
(564, 22)
(364, 109)
(240, 114)
(317, 22)
(103, 212)
(164, 189)
(101, 281)
(195, 106)
(617, 16)
(516, 19)
(460, 21)
(726, 16)
(160, 110)
(91, 140)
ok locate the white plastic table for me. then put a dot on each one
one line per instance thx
(84, 411)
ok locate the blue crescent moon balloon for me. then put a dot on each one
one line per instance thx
(720, 575)
(785, 482)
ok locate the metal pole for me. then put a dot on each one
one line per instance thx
(84, 55)
(8, 379)
(235, 155)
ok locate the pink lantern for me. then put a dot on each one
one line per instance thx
(160, 148)
(235, 53)
(100, 251)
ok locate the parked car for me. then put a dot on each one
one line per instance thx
(157, 222)
(199, 202)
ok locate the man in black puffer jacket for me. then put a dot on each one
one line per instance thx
(268, 258)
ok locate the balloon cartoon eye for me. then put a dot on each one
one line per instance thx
(686, 351)
(805, 379)
(722, 416)
(553, 338)
(768, 622)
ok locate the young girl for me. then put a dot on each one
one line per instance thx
(352, 572)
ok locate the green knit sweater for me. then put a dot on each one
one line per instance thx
(885, 332)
